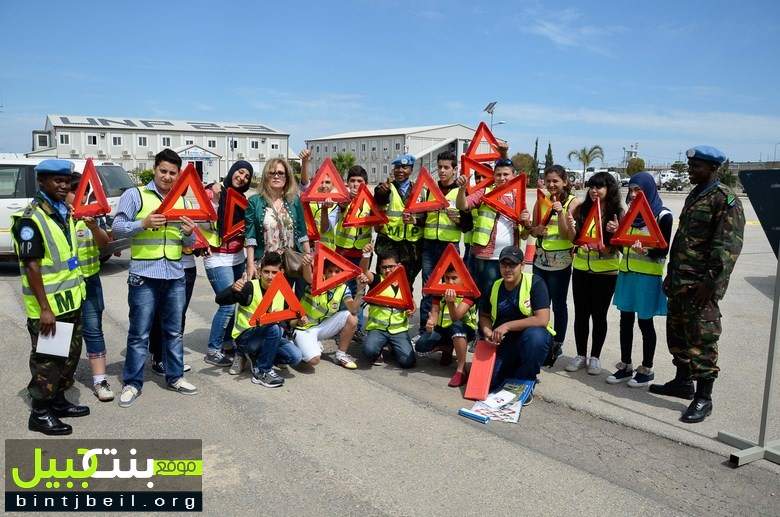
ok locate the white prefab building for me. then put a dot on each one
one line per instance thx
(132, 142)
(375, 149)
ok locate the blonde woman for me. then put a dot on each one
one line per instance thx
(274, 217)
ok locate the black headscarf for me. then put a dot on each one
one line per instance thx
(227, 183)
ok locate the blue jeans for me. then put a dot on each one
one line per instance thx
(352, 284)
(521, 355)
(261, 345)
(400, 343)
(431, 253)
(288, 353)
(220, 279)
(443, 336)
(486, 272)
(155, 335)
(148, 297)
(558, 287)
(92, 318)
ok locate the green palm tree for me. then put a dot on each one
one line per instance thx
(587, 156)
(343, 161)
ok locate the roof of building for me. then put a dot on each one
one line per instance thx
(386, 132)
(158, 124)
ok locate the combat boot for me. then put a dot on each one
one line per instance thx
(681, 386)
(701, 407)
(43, 420)
(62, 407)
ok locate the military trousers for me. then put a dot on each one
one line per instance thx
(692, 334)
(51, 373)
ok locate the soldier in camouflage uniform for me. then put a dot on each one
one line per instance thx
(704, 251)
(53, 289)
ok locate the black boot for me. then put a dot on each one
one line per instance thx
(681, 386)
(62, 407)
(701, 407)
(43, 420)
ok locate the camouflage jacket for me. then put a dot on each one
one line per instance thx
(707, 242)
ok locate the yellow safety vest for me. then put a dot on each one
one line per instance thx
(352, 238)
(468, 236)
(638, 263)
(439, 226)
(321, 307)
(394, 321)
(154, 244)
(395, 228)
(484, 223)
(523, 300)
(595, 262)
(553, 240)
(445, 321)
(244, 313)
(327, 238)
(64, 287)
(88, 251)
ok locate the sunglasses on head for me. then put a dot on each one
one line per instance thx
(504, 162)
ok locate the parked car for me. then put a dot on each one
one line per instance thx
(18, 186)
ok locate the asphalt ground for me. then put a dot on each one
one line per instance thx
(382, 441)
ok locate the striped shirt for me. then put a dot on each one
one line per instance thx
(125, 226)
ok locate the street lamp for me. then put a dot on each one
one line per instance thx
(490, 108)
(774, 159)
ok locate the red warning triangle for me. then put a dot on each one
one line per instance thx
(494, 198)
(450, 258)
(188, 179)
(200, 240)
(338, 192)
(639, 206)
(435, 199)
(397, 277)
(233, 201)
(590, 233)
(348, 270)
(467, 166)
(90, 178)
(311, 225)
(483, 133)
(278, 285)
(373, 217)
(543, 209)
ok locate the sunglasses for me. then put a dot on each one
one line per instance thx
(504, 162)
(277, 173)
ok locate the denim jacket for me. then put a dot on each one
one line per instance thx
(255, 215)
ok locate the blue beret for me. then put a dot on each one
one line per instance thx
(404, 159)
(61, 167)
(706, 153)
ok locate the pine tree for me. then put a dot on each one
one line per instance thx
(535, 172)
(548, 158)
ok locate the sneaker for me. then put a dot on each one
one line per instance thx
(159, 368)
(269, 379)
(594, 366)
(217, 358)
(239, 363)
(103, 391)
(379, 361)
(416, 338)
(624, 373)
(128, 395)
(183, 387)
(578, 363)
(643, 377)
(458, 379)
(345, 360)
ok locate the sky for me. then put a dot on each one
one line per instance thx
(667, 75)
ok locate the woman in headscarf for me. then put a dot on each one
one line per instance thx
(226, 262)
(638, 292)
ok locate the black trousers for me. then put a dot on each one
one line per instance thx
(592, 298)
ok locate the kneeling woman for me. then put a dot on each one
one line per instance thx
(516, 318)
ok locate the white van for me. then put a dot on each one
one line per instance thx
(18, 186)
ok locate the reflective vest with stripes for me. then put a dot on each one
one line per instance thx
(638, 263)
(469, 235)
(244, 313)
(394, 321)
(483, 223)
(321, 307)
(395, 228)
(445, 321)
(594, 261)
(88, 251)
(327, 238)
(353, 238)
(64, 287)
(154, 244)
(439, 226)
(523, 300)
(553, 240)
